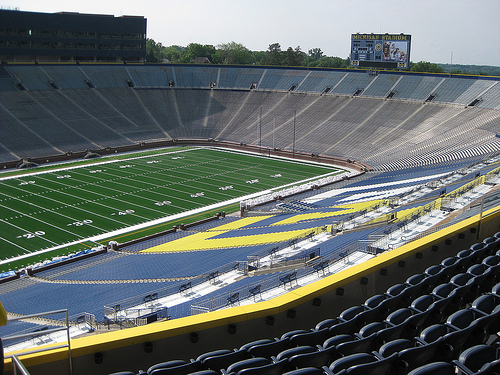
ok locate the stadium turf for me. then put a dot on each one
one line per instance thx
(67, 206)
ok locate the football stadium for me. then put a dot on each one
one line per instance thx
(218, 219)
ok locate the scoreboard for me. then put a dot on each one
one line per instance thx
(381, 50)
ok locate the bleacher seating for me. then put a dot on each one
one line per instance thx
(128, 104)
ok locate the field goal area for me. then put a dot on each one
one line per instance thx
(53, 211)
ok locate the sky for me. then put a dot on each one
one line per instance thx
(443, 31)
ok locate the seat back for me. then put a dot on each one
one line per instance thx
(419, 355)
(337, 340)
(177, 370)
(247, 363)
(309, 338)
(461, 319)
(475, 357)
(394, 346)
(224, 360)
(274, 368)
(434, 368)
(351, 360)
(316, 359)
(382, 367)
(269, 349)
(288, 353)
(363, 345)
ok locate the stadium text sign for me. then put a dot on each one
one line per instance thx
(381, 50)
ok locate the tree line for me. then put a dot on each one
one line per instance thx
(237, 54)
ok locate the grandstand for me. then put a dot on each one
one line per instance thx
(420, 160)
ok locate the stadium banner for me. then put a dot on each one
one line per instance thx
(390, 51)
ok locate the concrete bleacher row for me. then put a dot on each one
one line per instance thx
(94, 107)
(432, 316)
(388, 135)
(446, 89)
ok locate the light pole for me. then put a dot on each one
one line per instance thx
(293, 143)
(260, 130)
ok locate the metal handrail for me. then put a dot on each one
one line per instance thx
(40, 333)
(18, 365)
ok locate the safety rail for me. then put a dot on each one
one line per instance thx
(285, 280)
(41, 333)
(18, 366)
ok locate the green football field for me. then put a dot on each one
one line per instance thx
(68, 206)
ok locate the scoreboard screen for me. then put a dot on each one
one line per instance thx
(381, 50)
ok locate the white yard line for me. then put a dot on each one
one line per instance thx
(139, 226)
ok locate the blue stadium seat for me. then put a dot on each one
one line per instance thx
(483, 276)
(351, 360)
(247, 363)
(288, 353)
(486, 309)
(337, 340)
(358, 345)
(465, 287)
(434, 368)
(248, 345)
(416, 285)
(382, 366)
(480, 250)
(322, 357)
(451, 264)
(309, 338)
(269, 349)
(493, 244)
(274, 368)
(362, 363)
(337, 326)
(174, 368)
(305, 371)
(220, 359)
(453, 340)
(476, 360)
(445, 295)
